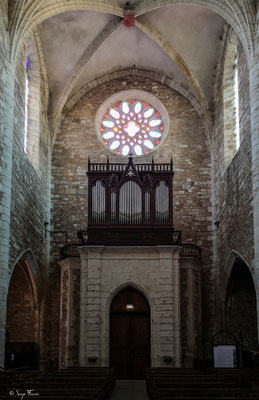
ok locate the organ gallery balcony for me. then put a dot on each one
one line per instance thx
(130, 204)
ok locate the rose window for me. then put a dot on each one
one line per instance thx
(131, 127)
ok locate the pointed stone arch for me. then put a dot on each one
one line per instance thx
(136, 72)
(233, 256)
(23, 313)
(240, 314)
(132, 285)
(33, 269)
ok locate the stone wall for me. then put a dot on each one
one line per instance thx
(233, 229)
(233, 186)
(103, 272)
(152, 270)
(3, 61)
(186, 143)
(29, 191)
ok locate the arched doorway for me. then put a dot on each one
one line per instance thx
(240, 312)
(21, 320)
(130, 334)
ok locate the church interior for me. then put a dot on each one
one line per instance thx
(129, 206)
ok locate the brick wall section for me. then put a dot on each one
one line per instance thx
(186, 143)
(234, 185)
(21, 313)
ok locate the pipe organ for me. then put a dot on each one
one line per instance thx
(130, 204)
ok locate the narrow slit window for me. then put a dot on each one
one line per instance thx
(26, 113)
(236, 102)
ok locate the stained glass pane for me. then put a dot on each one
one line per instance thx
(148, 144)
(114, 145)
(155, 134)
(148, 113)
(137, 108)
(108, 135)
(155, 122)
(125, 150)
(125, 107)
(108, 124)
(138, 150)
(115, 113)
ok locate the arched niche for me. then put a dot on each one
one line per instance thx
(240, 309)
(22, 319)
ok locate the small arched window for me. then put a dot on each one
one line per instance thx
(231, 98)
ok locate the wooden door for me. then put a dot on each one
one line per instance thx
(130, 335)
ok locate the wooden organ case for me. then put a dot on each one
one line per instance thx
(130, 204)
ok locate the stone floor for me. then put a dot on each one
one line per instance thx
(130, 390)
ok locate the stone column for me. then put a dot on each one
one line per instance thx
(68, 335)
(254, 103)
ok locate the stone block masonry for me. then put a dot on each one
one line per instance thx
(186, 143)
(107, 270)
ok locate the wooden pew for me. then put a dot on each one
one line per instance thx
(89, 383)
(166, 383)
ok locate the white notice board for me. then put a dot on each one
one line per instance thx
(224, 356)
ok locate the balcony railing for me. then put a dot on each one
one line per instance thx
(188, 249)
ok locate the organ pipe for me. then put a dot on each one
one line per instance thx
(147, 206)
(162, 202)
(113, 206)
(98, 203)
(130, 203)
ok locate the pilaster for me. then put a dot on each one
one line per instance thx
(90, 305)
(68, 339)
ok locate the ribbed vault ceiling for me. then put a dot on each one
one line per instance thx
(80, 46)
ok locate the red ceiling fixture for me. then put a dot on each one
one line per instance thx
(129, 20)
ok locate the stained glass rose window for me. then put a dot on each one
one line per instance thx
(132, 125)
